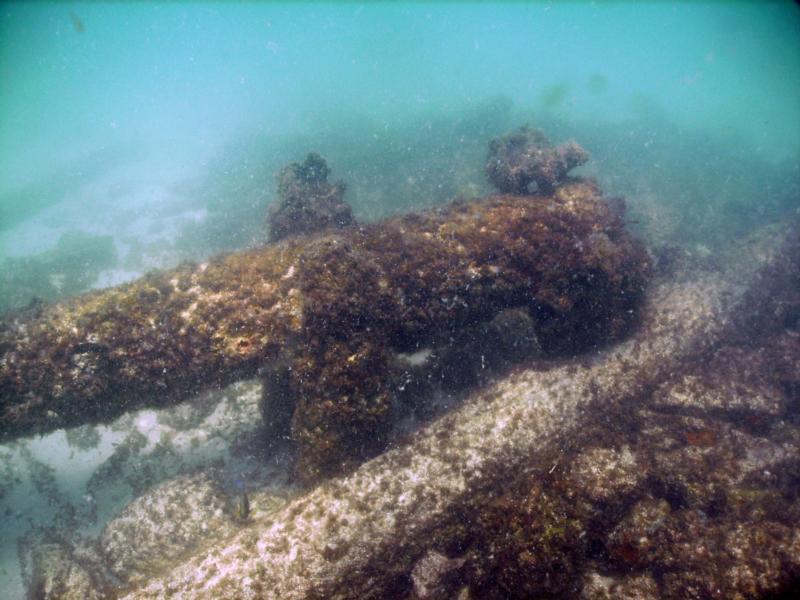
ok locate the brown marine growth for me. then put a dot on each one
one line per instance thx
(307, 202)
(357, 537)
(333, 308)
(525, 159)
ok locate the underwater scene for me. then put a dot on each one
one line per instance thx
(415, 301)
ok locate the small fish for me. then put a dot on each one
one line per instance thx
(241, 511)
(76, 22)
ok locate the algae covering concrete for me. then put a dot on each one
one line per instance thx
(357, 537)
(332, 306)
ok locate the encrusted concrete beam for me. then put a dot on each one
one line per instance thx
(333, 307)
(353, 537)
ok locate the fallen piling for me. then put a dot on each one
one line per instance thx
(332, 306)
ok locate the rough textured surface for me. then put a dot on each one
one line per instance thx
(525, 159)
(709, 510)
(635, 587)
(361, 536)
(333, 307)
(154, 531)
(56, 570)
(307, 202)
(435, 576)
(161, 528)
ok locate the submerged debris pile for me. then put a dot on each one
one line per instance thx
(334, 309)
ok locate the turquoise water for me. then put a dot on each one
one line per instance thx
(112, 111)
(136, 135)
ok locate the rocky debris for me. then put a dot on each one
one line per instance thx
(157, 530)
(307, 202)
(574, 480)
(697, 498)
(528, 545)
(524, 162)
(57, 568)
(436, 577)
(360, 535)
(170, 522)
(629, 587)
(608, 476)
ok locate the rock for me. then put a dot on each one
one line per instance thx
(678, 495)
(606, 475)
(307, 202)
(54, 568)
(170, 522)
(436, 577)
(524, 162)
(633, 587)
(357, 536)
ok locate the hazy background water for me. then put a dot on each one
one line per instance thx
(148, 133)
(135, 135)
